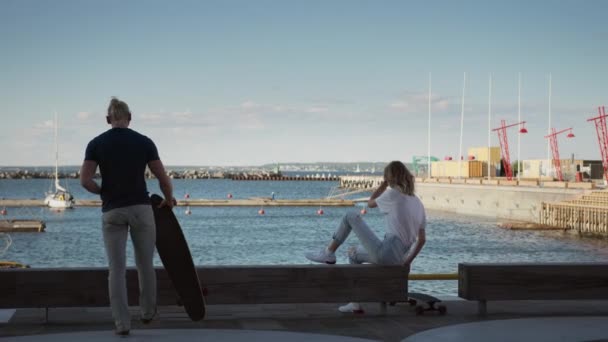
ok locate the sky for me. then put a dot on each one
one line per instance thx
(253, 82)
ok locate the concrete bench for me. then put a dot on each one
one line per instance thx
(532, 281)
(88, 287)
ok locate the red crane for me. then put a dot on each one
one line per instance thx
(504, 145)
(602, 136)
(555, 150)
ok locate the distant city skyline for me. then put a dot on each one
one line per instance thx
(231, 83)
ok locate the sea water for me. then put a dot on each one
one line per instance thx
(240, 236)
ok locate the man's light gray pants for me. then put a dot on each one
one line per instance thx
(116, 224)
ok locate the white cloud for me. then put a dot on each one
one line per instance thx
(44, 125)
(419, 102)
(317, 109)
(148, 118)
(84, 115)
(250, 105)
(182, 115)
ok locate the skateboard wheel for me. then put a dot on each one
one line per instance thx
(442, 309)
(419, 310)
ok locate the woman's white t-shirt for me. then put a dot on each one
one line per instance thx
(404, 215)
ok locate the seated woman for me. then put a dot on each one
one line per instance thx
(405, 224)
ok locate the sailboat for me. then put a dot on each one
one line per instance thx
(357, 170)
(60, 198)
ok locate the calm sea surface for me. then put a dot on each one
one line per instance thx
(239, 236)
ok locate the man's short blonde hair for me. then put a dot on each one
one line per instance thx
(118, 110)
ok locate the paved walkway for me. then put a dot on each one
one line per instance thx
(399, 323)
(546, 329)
(179, 335)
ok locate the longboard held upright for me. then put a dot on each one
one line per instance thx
(177, 260)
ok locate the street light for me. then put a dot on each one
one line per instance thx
(555, 149)
(504, 145)
(523, 129)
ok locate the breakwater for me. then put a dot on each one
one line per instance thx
(316, 177)
(179, 174)
(250, 202)
(175, 174)
(29, 174)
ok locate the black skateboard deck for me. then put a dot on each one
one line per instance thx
(414, 298)
(175, 255)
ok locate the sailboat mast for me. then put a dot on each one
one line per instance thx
(56, 155)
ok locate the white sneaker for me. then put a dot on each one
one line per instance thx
(323, 256)
(351, 308)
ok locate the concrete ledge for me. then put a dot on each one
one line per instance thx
(430, 180)
(458, 181)
(444, 180)
(489, 182)
(581, 185)
(528, 183)
(560, 185)
(506, 182)
(475, 181)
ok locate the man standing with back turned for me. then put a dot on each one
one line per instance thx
(122, 156)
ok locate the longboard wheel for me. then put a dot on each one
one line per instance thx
(442, 309)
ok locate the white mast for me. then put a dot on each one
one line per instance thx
(519, 120)
(57, 186)
(549, 128)
(428, 162)
(489, 126)
(461, 126)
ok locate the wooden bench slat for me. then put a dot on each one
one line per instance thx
(525, 281)
(67, 287)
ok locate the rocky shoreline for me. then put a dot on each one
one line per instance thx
(174, 174)
(185, 174)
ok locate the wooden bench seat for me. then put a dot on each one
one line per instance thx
(88, 287)
(532, 281)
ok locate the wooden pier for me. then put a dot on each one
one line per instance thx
(587, 215)
(26, 226)
(249, 202)
(255, 177)
(360, 182)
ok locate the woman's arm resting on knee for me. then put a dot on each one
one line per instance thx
(420, 241)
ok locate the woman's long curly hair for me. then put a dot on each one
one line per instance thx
(399, 177)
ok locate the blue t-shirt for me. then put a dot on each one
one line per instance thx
(122, 155)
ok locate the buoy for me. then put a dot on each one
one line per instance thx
(188, 211)
(363, 211)
(187, 195)
(3, 212)
(261, 212)
(320, 211)
(229, 195)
